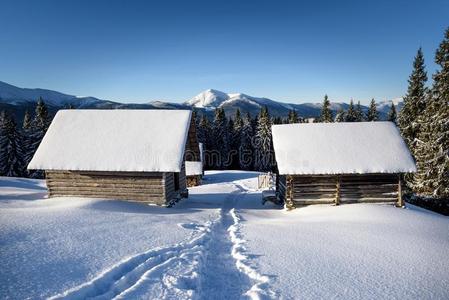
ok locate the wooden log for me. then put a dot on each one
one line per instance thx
(400, 201)
(315, 184)
(103, 173)
(107, 190)
(103, 185)
(58, 177)
(322, 195)
(314, 191)
(142, 199)
(312, 201)
(107, 180)
(368, 200)
(289, 201)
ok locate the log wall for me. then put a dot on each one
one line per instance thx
(301, 190)
(148, 187)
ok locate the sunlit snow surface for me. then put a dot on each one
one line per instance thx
(221, 243)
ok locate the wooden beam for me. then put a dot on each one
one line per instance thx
(289, 199)
(400, 202)
(337, 191)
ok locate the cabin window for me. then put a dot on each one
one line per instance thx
(176, 179)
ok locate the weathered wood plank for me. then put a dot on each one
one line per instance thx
(312, 201)
(103, 185)
(103, 174)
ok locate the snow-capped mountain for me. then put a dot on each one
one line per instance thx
(230, 102)
(17, 100)
(208, 99)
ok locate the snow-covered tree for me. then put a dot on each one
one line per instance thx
(326, 113)
(11, 153)
(392, 115)
(340, 117)
(414, 101)
(221, 139)
(36, 133)
(438, 127)
(413, 122)
(204, 131)
(351, 113)
(360, 116)
(26, 121)
(372, 114)
(263, 142)
(293, 117)
(235, 129)
(246, 153)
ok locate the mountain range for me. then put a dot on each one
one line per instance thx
(17, 100)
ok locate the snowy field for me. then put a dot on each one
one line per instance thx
(221, 243)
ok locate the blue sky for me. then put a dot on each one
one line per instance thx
(295, 51)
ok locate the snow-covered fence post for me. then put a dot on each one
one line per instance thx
(400, 202)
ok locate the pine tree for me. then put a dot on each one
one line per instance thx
(27, 140)
(11, 154)
(392, 114)
(263, 147)
(42, 119)
(26, 121)
(246, 153)
(413, 122)
(221, 139)
(293, 117)
(341, 116)
(38, 128)
(372, 114)
(351, 113)
(414, 101)
(203, 134)
(203, 130)
(438, 112)
(360, 116)
(326, 113)
(236, 138)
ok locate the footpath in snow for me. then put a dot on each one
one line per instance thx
(221, 243)
(210, 264)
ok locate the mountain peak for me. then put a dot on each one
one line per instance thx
(210, 98)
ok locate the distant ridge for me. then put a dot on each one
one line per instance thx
(18, 100)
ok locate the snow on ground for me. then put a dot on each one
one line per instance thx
(221, 243)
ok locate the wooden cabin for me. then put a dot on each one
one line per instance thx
(335, 163)
(195, 170)
(134, 155)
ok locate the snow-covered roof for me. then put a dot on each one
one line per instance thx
(194, 168)
(341, 148)
(114, 140)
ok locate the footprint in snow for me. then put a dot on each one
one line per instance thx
(192, 226)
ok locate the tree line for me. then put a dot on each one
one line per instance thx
(18, 143)
(424, 125)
